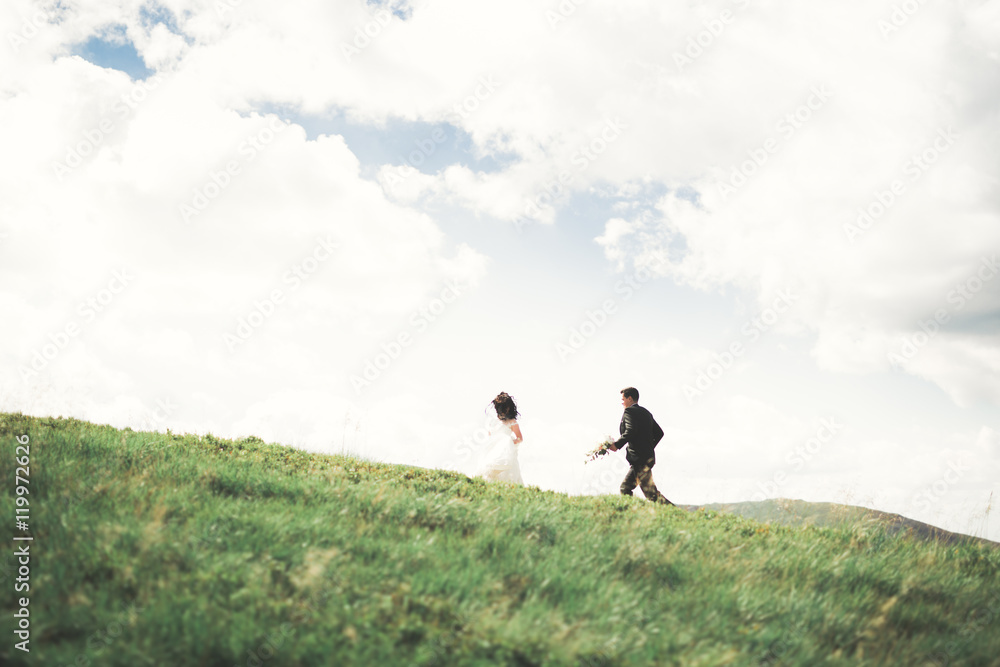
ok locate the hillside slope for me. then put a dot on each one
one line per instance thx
(165, 549)
(789, 512)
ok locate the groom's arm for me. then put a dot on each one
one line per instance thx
(657, 432)
(627, 433)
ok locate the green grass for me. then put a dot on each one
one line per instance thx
(165, 549)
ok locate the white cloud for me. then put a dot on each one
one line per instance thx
(218, 220)
(806, 114)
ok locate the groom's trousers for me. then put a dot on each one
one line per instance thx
(643, 475)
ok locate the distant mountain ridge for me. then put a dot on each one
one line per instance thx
(789, 512)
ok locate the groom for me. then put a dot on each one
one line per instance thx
(642, 433)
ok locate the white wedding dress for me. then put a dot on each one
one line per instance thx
(499, 462)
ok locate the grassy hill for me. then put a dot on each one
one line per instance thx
(801, 513)
(165, 549)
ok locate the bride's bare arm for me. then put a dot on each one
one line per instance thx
(516, 430)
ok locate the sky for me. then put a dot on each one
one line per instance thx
(347, 226)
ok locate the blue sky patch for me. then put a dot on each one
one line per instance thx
(427, 147)
(153, 14)
(115, 51)
(401, 9)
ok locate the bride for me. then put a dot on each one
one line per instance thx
(500, 460)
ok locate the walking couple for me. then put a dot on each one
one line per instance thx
(638, 430)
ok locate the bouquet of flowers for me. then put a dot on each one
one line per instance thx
(601, 449)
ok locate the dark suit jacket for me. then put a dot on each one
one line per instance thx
(642, 433)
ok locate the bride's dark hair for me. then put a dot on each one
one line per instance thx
(504, 405)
